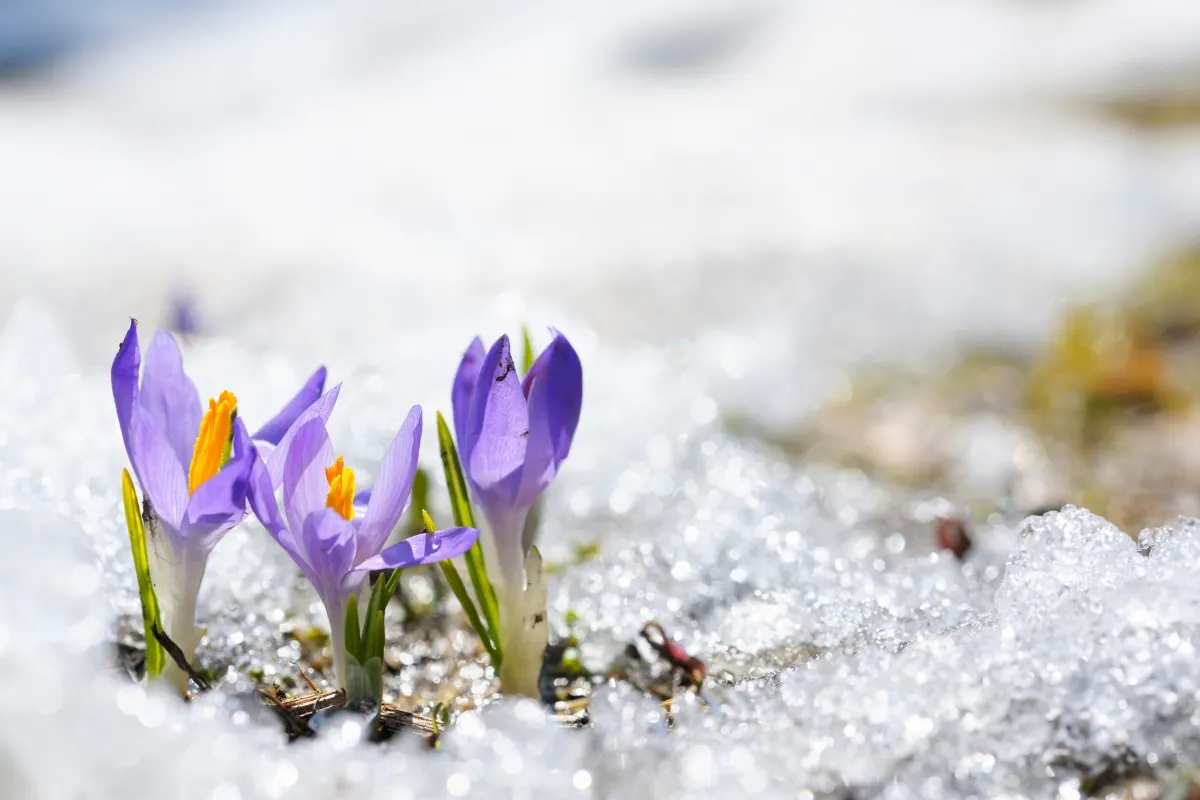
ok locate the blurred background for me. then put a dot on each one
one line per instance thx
(778, 195)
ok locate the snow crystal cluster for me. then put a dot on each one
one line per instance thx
(845, 653)
(723, 178)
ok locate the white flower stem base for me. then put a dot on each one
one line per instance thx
(176, 578)
(525, 630)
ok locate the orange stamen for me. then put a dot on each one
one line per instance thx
(213, 441)
(341, 488)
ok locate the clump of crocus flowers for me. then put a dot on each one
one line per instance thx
(200, 469)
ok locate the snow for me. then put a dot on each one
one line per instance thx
(723, 205)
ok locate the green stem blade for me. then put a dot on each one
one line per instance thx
(527, 358)
(483, 588)
(372, 646)
(377, 600)
(464, 599)
(418, 499)
(393, 583)
(155, 656)
(460, 503)
(353, 643)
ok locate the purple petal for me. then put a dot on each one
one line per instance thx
(261, 496)
(328, 543)
(363, 496)
(265, 449)
(305, 486)
(125, 369)
(278, 425)
(161, 475)
(424, 548)
(220, 502)
(498, 426)
(318, 410)
(392, 487)
(169, 396)
(465, 381)
(184, 320)
(555, 390)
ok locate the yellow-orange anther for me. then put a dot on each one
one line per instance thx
(212, 444)
(341, 488)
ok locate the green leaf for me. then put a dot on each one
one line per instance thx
(477, 571)
(464, 600)
(364, 653)
(527, 357)
(374, 672)
(353, 643)
(359, 679)
(419, 499)
(393, 583)
(372, 646)
(377, 601)
(460, 503)
(156, 658)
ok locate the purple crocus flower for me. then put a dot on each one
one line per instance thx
(513, 435)
(193, 467)
(319, 528)
(184, 319)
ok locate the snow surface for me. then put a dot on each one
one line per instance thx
(722, 204)
(847, 652)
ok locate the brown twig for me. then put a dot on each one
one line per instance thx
(298, 710)
(176, 654)
(394, 720)
(304, 675)
(307, 705)
(294, 725)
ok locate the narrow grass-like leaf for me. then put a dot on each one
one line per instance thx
(373, 638)
(464, 599)
(353, 643)
(527, 357)
(483, 590)
(358, 679)
(419, 499)
(460, 503)
(374, 672)
(156, 658)
(436, 718)
(393, 583)
(377, 600)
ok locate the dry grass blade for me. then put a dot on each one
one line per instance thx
(179, 658)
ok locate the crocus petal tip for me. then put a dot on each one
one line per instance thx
(423, 548)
